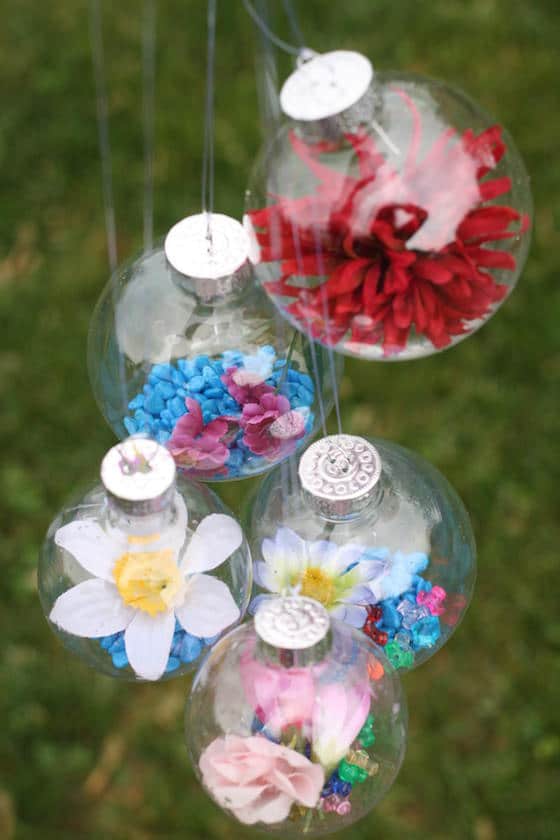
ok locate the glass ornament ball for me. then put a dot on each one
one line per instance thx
(185, 347)
(141, 573)
(374, 533)
(296, 723)
(392, 213)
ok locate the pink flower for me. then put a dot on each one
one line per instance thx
(196, 446)
(281, 697)
(339, 714)
(270, 426)
(242, 389)
(257, 780)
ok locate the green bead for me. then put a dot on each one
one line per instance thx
(366, 738)
(351, 773)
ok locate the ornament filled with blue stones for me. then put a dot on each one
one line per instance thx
(184, 347)
(139, 576)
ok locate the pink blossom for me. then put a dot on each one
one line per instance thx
(196, 446)
(340, 712)
(257, 780)
(281, 697)
(270, 426)
(243, 389)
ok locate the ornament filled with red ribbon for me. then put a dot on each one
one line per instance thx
(392, 214)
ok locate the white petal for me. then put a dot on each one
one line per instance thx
(88, 543)
(215, 539)
(92, 609)
(208, 607)
(148, 641)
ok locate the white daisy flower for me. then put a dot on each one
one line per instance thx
(142, 585)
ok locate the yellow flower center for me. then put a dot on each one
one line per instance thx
(317, 584)
(149, 580)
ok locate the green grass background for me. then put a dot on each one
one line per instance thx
(82, 756)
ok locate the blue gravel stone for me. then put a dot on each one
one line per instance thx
(214, 393)
(130, 426)
(162, 436)
(166, 390)
(190, 648)
(154, 403)
(201, 362)
(163, 371)
(118, 643)
(178, 378)
(120, 659)
(195, 384)
(137, 402)
(177, 407)
(107, 641)
(172, 664)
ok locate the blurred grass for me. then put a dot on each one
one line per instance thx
(83, 757)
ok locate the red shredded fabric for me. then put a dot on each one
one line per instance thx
(366, 259)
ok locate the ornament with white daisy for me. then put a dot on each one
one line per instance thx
(146, 570)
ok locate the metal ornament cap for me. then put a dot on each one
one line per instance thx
(339, 475)
(212, 265)
(333, 89)
(293, 630)
(139, 475)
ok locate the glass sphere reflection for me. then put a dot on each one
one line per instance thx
(399, 236)
(221, 380)
(302, 741)
(141, 594)
(400, 565)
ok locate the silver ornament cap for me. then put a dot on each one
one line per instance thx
(330, 93)
(139, 476)
(211, 253)
(339, 475)
(293, 630)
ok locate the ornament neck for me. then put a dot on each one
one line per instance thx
(292, 631)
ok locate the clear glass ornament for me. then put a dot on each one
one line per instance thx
(144, 571)
(374, 533)
(186, 348)
(296, 722)
(392, 212)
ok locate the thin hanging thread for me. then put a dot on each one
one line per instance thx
(208, 151)
(267, 31)
(148, 114)
(98, 61)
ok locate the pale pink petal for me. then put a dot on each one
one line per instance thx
(148, 641)
(339, 714)
(237, 796)
(88, 543)
(215, 539)
(301, 787)
(208, 607)
(91, 609)
(271, 808)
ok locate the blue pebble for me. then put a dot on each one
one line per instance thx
(391, 618)
(195, 384)
(191, 648)
(186, 367)
(181, 393)
(211, 640)
(201, 362)
(118, 644)
(208, 407)
(177, 407)
(214, 393)
(426, 632)
(107, 641)
(162, 436)
(166, 390)
(154, 403)
(120, 659)
(130, 426)
(178, 378)
(137, 402)
(172, 664)
(163, 371)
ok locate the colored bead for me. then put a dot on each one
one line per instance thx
(344, 808)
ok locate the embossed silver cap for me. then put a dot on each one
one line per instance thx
(139, 476)
(330, 93)
(211, 253)
(339, 475)
(293, 630)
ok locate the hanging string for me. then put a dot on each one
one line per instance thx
(294, 24)
(208, 151)
(148, 111)
(267, 31)
(98, 59)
